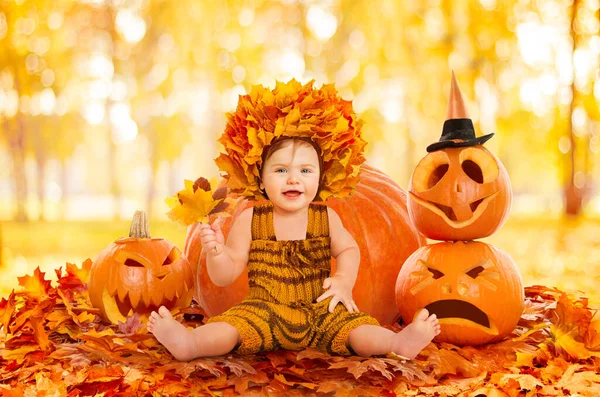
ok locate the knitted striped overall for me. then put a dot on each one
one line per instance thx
(286, 278)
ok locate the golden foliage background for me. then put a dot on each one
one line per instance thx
(107, 105)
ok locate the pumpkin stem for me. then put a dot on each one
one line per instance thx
(140, 227)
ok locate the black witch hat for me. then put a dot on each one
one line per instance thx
(458, 128)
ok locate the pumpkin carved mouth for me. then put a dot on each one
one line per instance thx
(448, 214)
(121, 307)
(451, 311)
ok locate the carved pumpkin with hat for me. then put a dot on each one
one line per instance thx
(459, 190)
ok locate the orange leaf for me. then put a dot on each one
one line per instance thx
(35, 285)
(592, 336)
(131, 325)
(277, 359)
(339, 386)
(450, 362)
(40, 335)
(572, 317)
(238, 367)
(283, 380)
(82, 274)
(7, 308)
(241, 383)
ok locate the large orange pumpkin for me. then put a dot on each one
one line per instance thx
(459, 194)
(139, 274)
(474, 289)
(375, 215)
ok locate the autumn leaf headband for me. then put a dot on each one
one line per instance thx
(292, 110)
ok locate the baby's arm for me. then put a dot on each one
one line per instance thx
(347, 259)
(343, 248)
(228, 261)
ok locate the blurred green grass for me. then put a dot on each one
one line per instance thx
(552, 251)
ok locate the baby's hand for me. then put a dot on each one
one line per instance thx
(341, 290)
(212, 239)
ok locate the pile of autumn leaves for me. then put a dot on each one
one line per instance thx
(53, 343)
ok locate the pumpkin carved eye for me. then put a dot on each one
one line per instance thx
(173, 256)
(473, 273)
(478, 165)
(435, 273)
(430, 170)
(472, 170)
(133, 263)
(437, 175)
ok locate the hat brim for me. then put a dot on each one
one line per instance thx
(471, 142)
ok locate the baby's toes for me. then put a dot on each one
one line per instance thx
(164, 312)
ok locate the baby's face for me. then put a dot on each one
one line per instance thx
(291, 176)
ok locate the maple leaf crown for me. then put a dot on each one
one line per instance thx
(292, 110)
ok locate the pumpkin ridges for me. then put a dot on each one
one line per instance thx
(503, 305)
(115, 287)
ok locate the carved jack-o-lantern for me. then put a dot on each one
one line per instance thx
(140, 274)
(460, 193)
(474, 289)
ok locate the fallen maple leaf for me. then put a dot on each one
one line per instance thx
(80, 350)
(132, 325)
(7, 308)
(281, 378)
(36, 286)
(241, 383)
(448, 361)
(592, 335)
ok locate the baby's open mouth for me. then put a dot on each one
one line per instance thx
(292, 193)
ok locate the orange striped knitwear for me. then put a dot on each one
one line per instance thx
(285, 279)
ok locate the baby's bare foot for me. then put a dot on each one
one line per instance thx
(416, 335)
(174, 336)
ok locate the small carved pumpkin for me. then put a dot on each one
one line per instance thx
(474, 289)
(139, 274)
(459, 193)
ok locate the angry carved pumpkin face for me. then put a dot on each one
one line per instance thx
(459, 194)
(474, 289)
(139, 274)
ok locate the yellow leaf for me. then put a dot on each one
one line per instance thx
(566, 342)
(17, 354)
(189, 206)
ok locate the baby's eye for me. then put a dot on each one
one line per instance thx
(281, 170)
(306, 171)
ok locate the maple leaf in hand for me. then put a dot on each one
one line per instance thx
(196, 202)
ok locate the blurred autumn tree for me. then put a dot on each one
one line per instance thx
(141, 85)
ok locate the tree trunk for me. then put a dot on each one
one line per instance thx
(64, 180)
(115, 190)
(573, 194)
(173, 182)
(17, 149)
(152, 139)
(40, 157)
